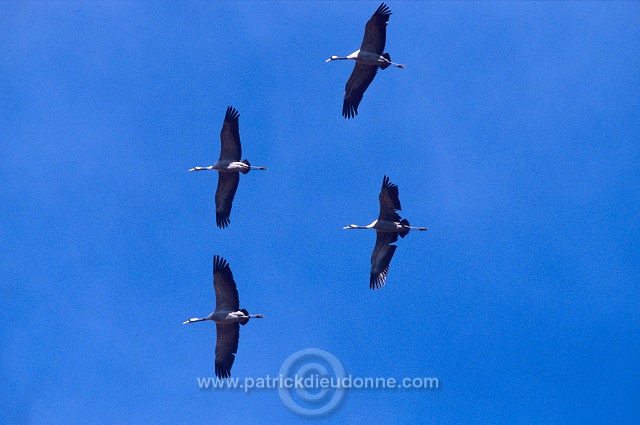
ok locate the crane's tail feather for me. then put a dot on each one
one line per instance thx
(251, 167)
(387, 57)
(405, 230)
(245, 320)
(389, 63)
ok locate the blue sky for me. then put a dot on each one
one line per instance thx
(513, 135)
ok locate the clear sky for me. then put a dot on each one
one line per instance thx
(513, 135)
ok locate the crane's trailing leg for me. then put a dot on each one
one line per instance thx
(251, 167)
(245, 320)
(386, 59)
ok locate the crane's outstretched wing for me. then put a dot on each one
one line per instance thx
(230, 136)
(381, 257)
(224, 286)
(227, 186)
(375, 32)
(357, 84)
(389, 201)
(226, 347)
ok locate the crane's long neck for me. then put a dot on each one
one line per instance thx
(253, 167)
(257, 316)
(355, 226)
(338, 58)
(195, 319)
(415, 228)
(202, 168)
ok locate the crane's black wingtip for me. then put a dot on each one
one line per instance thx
(232, 114)
(223, 372)
(219, 263)
(349, 110)
(390, 192)
(377, 281)
(383, 10)
(222, 220)
(387, 184)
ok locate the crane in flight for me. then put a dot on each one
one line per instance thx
(228, 166)
(388, 226)
(368, 59)
(227, 316)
